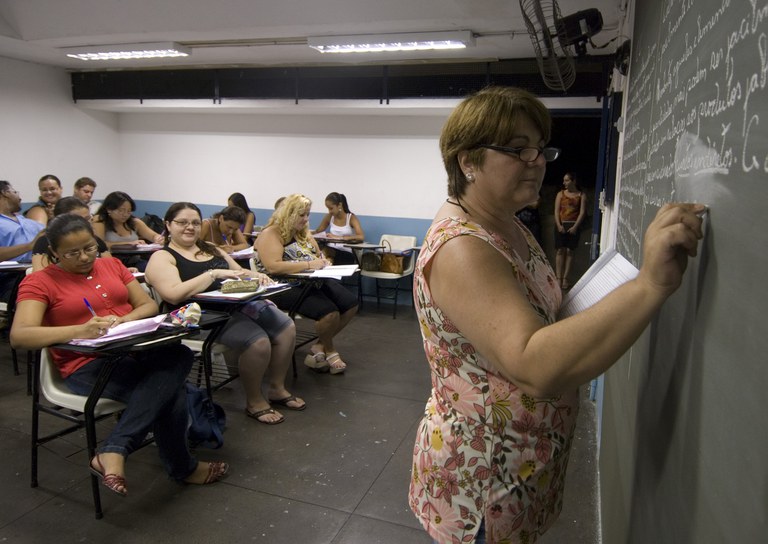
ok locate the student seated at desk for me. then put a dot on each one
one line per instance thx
(223, 230)
(68, 204)
(343, 226)
(286, 247)
(50, 193)
(51, 310)
(17, 235)
(262, 334)
(115, 224)
(238, 200)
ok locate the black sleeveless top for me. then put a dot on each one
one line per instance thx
(190, 269)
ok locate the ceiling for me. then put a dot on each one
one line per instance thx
(261, 33)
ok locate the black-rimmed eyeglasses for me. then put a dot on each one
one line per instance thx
(526, 154)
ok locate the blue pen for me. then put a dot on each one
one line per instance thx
(90, 308)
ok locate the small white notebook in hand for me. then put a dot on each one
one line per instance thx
(607, 273)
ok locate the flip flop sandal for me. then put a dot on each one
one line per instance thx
(216, 471)
(337, 366)
(284, 403)
(316, 361)
(114, 482)
(262, 413)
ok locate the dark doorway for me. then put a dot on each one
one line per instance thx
(577, 134)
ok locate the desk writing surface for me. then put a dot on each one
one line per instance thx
(363, 245)
(139, 342)
(325, 237)
(264, 291)
(129, 249)
(14, 266)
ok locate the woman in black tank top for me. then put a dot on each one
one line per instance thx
(263, 335)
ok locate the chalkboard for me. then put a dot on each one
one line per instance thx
(684, 454)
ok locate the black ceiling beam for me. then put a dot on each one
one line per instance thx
(369, 82)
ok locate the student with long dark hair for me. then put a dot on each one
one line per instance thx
(115, 224)
(223, 229)
(262, 336)
(50, 310)
(238, 200)
(343, 226)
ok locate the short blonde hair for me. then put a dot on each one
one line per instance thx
(488, 117)
(287, 215)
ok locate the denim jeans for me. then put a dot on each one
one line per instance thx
(479, 538)
(151, 384)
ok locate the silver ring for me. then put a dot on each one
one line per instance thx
(101, 331)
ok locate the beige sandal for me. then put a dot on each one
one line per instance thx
(316, 361)
(337, 365)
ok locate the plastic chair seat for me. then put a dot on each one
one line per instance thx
(397, 243)
(55, 390)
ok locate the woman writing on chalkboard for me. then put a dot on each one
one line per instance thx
(570, 211)
(491, 451)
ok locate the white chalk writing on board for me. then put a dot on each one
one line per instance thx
(697, 97)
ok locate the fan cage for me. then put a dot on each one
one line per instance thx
(557, 67)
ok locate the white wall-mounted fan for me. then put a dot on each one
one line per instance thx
(552, 36)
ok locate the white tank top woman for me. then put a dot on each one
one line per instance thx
(343, 230)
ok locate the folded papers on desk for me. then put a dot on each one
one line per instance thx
(11, 264)
(336, 271)
(243, 253)
(123, 330)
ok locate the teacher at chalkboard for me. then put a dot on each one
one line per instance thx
(491, 452)
(570, 211)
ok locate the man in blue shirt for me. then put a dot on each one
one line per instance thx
(17, 234)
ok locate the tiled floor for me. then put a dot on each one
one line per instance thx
(336, 473)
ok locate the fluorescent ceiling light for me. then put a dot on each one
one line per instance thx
(128, 51)
(373, 43)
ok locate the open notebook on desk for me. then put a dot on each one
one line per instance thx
(122, 331)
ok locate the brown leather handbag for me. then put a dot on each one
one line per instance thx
(390, 262)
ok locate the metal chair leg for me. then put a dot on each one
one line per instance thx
(394, 300)
(35, 425)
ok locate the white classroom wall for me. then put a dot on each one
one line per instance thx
(41, 132)
(388, 167)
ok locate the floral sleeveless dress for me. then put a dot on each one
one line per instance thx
(486, 450)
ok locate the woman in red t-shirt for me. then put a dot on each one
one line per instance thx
(51, 310)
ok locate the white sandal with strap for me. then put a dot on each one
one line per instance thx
(317, 361)
(337, 365)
